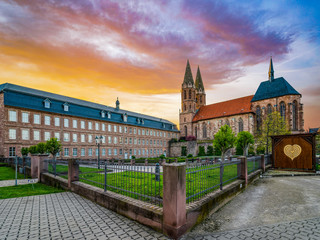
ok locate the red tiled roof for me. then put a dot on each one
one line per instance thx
(223, 109)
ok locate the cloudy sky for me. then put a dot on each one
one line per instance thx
(137, 50)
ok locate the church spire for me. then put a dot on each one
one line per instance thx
(271, 72)
(199, 83)
(188, 79)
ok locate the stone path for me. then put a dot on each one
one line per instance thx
(305, 229)
(66, 216)
(8, 183)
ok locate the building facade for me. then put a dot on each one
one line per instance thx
(241, 114)
(30, 116)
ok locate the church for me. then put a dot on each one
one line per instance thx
(242, 114)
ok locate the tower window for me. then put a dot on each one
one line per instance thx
(200, 99)
(190, 106)
(185, 94)
(190, 94)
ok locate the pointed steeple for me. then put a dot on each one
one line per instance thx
(199, 83)
(188, 79)
(271, 72)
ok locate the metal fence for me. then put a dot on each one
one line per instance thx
(202, 179)
(254, 163)
(267, 159)
(57, 167)
(140, 182)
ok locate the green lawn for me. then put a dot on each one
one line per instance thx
(27, 190)
(63, 169)
(8, 173)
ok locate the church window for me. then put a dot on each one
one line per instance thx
(240, 125)
(190, 94)
(196, 132)
(283, 110)
(204, 130)
(294, 115)
(269, 109)
(185, 94)
(185, 130)
(258, 118)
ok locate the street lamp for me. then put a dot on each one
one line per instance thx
(98, 142)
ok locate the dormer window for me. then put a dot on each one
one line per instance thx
(125, 117)
(142, 122)
(47, 103)
(103, 114)
(138, 120)
(65, 107)
(163, 125)
(109, 115)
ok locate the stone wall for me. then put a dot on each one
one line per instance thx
(192, 148)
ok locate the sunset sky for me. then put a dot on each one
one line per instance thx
(137, 50)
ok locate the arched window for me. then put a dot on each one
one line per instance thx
(185, 131)
(240, 125)
(196, 132)
(190, 94)
(190, 106)
(294, 115)
(269, 109)
(258, 118)
(200, 99)
(283, 110)
(204, 130)
(184, 94)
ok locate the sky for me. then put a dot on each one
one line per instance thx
(137, 50)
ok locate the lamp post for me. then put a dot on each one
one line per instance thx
(98, 142)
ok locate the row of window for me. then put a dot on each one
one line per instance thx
(111, 152)
(25, 135)
(98, 126)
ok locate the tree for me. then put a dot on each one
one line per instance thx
(244, 139)
(33, 149)
(274, 124)
(24, 151)
(224, 140)
(53, 146)
(41, 148)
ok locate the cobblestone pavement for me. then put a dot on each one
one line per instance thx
(8, 183)
(66, 216)
(305, 229)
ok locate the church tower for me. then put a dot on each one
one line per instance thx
(188, 103)
(200, 93)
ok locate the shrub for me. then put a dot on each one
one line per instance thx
(24, 151)
(182, 139)
(162, 156)
(190, 155)
(183, 151)
(33, 149)
(201, 151)
(173, 140)
(210, 151)
(133, 157)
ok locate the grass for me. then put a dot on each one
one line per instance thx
(8, 173)
(63, 170)
(27, 190)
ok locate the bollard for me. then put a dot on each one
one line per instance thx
(157, 170)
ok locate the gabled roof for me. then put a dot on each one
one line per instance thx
(188, 79)
(69, 100)
(276, 88)
(224, 109)
(199, 83)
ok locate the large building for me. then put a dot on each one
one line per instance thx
(29, 116)
(241, 114)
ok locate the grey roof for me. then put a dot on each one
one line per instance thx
(35, 92)
(276, 88)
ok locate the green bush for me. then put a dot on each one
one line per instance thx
(189, 156)
(210, 151)
(162, 156)
(24, 151)
(183, 151)
(33, 149)
(201, 151)
(261, 149)
(41, 148)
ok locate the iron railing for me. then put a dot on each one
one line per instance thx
(267, 159)
(254, 163)
(144, 183)
(57, 167)
(201, 179)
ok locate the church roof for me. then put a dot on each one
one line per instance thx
(188, 79)
(224, 109)
(276, 88)
(199, 83)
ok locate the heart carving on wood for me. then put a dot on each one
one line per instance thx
(292, 151)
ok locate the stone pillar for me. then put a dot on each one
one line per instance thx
(174, 199)
(176, 160)
(132, 162)
(42, 165)
(73, 171)
(263, 164)
(35, 159)
(243, 169)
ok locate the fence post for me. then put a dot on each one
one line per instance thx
(105, 175)
(146, 162)
(42, 165)
(243, 169)
(263, 164)
(35, 159)
(174, 199)
(73, 171)
(221, 174)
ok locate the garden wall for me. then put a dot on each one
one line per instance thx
(192, 147)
